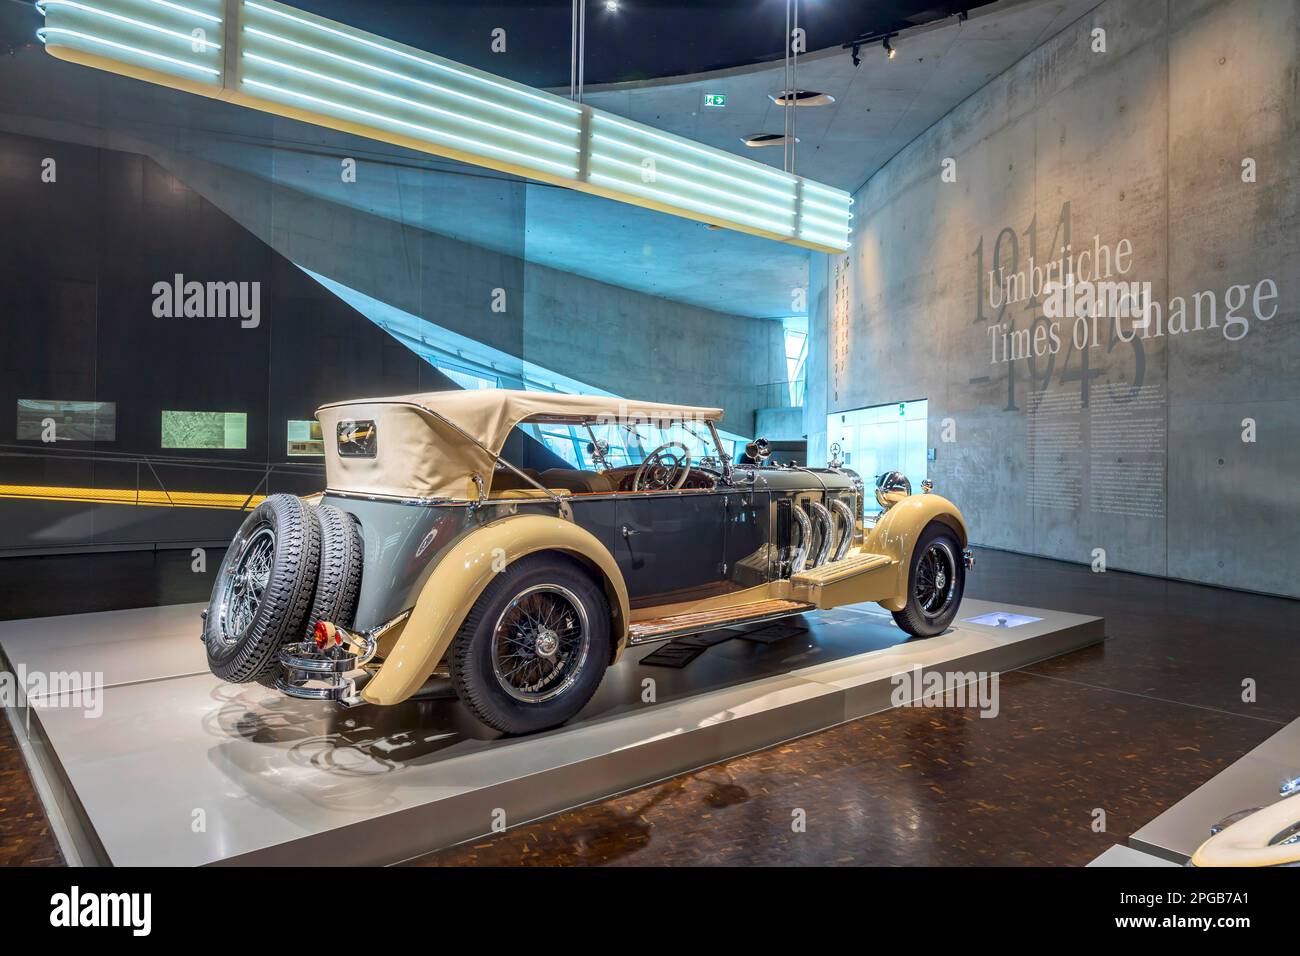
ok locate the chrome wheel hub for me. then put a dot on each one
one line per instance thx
(242, 595)
(548, 642)
(936, 580)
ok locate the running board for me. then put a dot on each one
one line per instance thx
(859, 577)
(696, 622)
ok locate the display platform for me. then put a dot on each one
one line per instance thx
(1125, 856)
(183, 769)
(1253, 781)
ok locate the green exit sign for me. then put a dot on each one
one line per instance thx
(715, 99)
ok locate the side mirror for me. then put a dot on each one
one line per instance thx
(597, 450)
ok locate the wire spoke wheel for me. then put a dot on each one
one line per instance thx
(245, 586)
(936, 579)
(540, 643)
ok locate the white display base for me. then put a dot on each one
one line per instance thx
(1124, 856)
(183, 769)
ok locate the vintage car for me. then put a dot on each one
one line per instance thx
(430, 554)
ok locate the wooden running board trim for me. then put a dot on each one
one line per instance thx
(695, 622)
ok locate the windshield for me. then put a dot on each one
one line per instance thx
(628, 443)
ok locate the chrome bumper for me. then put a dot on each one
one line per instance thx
(338, 670)
(312, 674)
(968, 558)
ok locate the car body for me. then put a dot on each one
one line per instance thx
(670, 545)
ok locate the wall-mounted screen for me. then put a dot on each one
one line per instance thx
(209, 430)
(305, 440)
(41, 419)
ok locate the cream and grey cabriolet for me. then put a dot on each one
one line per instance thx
(430, 553)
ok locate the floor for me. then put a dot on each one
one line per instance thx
(1105, 737)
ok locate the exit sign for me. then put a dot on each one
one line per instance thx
(715, 99)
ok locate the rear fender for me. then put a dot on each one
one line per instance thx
(460, 577)
(897, 531)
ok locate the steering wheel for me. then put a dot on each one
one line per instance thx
(668, 471)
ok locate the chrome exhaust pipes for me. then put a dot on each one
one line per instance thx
(846, 539)
(827, 525)
(800, 559)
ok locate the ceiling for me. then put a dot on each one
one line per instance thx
(640, 40)
(880, 106)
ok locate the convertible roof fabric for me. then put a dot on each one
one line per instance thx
(420, 449)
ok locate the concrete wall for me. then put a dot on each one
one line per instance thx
(614, 338)
(1134, 444)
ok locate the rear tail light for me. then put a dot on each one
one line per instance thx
(325, 634)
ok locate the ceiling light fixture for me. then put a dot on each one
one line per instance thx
(756, 140)
(801, 98)
(272, 57)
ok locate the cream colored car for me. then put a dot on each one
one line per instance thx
(432, 551)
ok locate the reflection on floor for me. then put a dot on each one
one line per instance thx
(1129, 728)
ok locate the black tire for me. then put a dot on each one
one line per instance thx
(284, 529)
(564, 594)
(926, 618)
(339, 583)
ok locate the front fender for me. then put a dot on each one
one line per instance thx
(460, 577)
(896, 532)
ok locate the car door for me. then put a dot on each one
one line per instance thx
(669, 545)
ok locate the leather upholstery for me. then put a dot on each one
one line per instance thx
(579, 482)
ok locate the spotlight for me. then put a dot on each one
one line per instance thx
(889, 49)
(611, 6)
(857, 59)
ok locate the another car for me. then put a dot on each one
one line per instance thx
(430, 553)
(1257, 836)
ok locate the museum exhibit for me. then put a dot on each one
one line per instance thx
(619, 433)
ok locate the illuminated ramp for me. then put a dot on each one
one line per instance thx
(275, 58)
